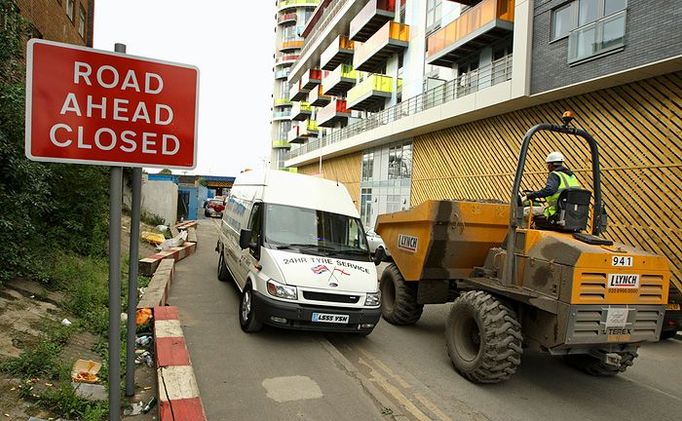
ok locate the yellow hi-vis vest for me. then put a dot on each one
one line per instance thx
(565, 181)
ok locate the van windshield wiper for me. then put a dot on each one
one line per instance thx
(306, 245)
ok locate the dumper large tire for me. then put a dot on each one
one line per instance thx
(398, 298)
(595, 367)
(483, 338)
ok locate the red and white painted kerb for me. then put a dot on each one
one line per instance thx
(178, 391)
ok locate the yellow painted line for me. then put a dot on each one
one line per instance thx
(403, 401)
(386, 369)
(432, 407)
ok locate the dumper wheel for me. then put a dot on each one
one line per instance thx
(595, 367)
(398, 298)
(483, 338)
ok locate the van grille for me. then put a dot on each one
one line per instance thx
(334, 298)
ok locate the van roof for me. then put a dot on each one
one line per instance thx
(305, 191)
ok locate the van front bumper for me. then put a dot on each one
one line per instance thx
(299, 316)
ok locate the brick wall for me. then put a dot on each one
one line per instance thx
(652, 34)
(49, 19)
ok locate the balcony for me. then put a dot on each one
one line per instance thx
(282, 73)
(286, 18)
(339, 81)
(311, 79)
(372, 17)
(302, 131)
(285, 59)
(280, 144)
(281, 115)
(290, 45)
(283, 5)
(317, 98)
(282, 102)
(335, 112)
(371, 93)
(301, 111)
(296, 93)
(340, 50)
(478, 27)
(391, 38)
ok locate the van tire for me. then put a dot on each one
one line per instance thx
(247, 316)
(399, 304)
(223, 273)
(483, 338)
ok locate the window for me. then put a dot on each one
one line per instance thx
(366, 206)
(70, 9)
(433, 14)
(578, 13)
(81, 22)
(563, 21)
(602, 29)
(367, 166)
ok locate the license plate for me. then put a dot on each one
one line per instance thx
(330, 318)
(672, 306)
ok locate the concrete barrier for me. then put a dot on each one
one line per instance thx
(179, 398)
(149, 264)
(158, 289)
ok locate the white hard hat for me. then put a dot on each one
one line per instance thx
(555, 157)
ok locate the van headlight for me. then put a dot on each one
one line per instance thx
(372, 299)
(282, 291)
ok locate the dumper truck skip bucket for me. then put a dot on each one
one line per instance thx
(443, 239)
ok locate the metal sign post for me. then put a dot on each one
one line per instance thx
(132, 280)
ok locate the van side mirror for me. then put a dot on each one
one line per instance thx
(244, 239)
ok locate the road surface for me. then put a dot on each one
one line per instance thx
(395, 373)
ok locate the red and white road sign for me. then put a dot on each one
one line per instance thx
(87, 106)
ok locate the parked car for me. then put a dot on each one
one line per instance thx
(294, 246)
(376, 246)
(214, 208)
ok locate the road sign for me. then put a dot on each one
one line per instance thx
(87, 106)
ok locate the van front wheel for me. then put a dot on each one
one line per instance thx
(247, 317)
(223, 273)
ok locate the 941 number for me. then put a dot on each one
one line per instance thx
(624, 261)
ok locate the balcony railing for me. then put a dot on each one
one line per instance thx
(282, 102)
(294, 44)
(286, 18)
(288, 4)
(280, 144)
(302, 131)
(301, 111)
(297, 93)
(340, 80)
(321, 24)
(370, 94)
(391, 38)
(282, 73)
(498, 72)
(281, 115)
(333, 113)
(372, 17)
(340, 50)
(317, 98)
(286, 59)
(476, 28)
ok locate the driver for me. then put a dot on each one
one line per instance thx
(559, 178)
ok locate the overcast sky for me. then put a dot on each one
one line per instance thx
(232, 43)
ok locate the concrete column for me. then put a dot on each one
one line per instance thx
(523, 48)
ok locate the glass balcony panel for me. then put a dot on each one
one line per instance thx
(317, 98)
(288, 4)
(340, 80)
(286, 17)
(370, 93)
(301, 111)
(481, 24)
(338, 51)
(280, 144)
(333, 113)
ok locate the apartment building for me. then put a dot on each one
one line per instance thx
(290, 22)
(69, 21)
(429, 99)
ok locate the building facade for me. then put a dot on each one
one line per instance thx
(290, 23)
(433, 97)
(69, 21)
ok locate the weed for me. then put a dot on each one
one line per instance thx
(41, 360)
(152, 219)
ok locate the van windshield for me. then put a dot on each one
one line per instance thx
(314, 231)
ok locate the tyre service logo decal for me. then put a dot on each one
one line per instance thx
(408, 243)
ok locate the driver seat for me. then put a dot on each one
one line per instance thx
(573, 209)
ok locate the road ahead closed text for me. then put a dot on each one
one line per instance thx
(95, 107)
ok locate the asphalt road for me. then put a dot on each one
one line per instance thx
(394, 373)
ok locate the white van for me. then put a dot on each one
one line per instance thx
(295, 247)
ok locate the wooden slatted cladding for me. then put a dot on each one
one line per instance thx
(639, 131)
(346, 169)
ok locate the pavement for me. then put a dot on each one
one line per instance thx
(394, 373)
